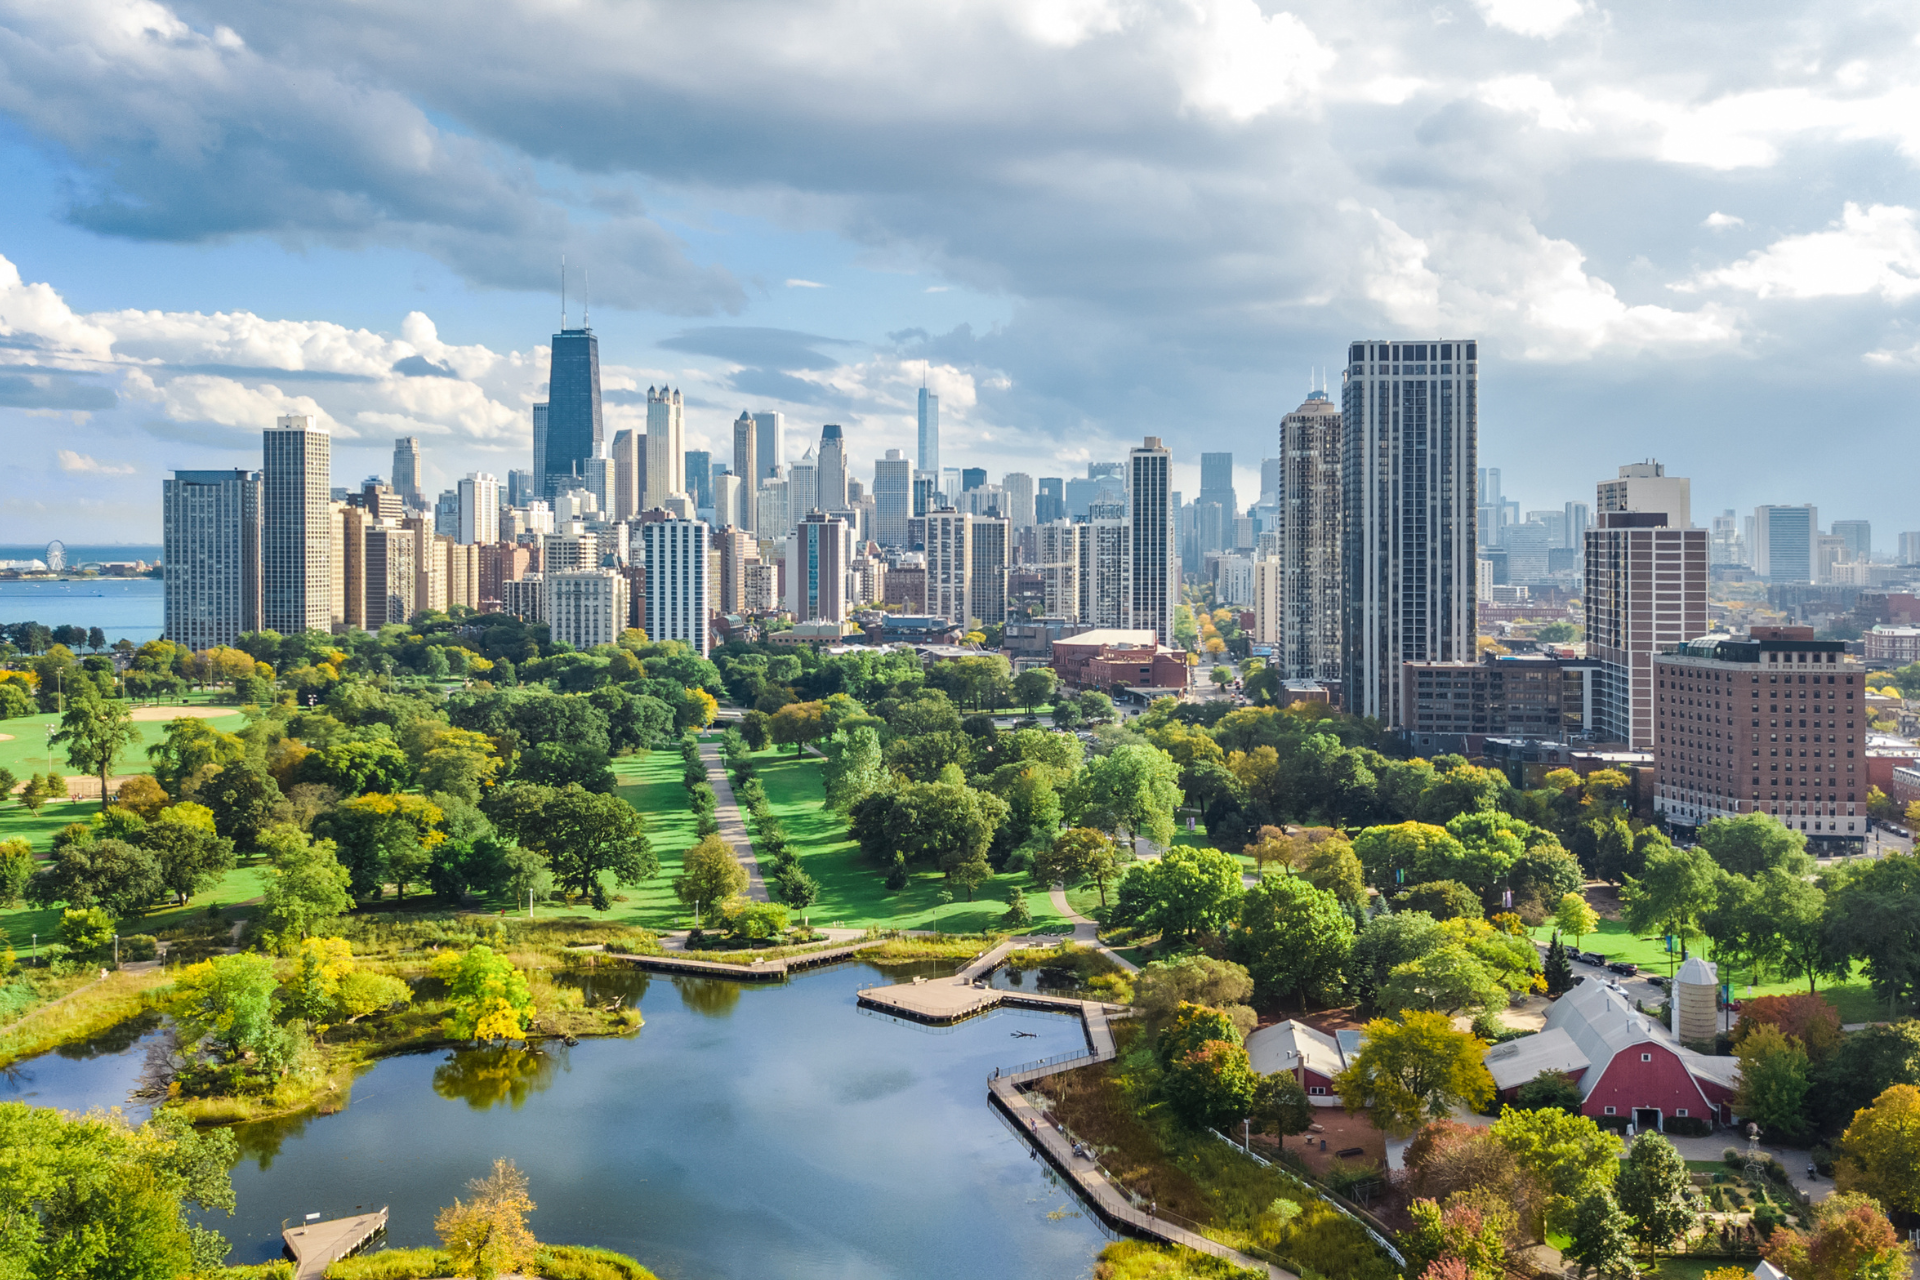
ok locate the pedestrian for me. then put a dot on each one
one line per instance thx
(1153, 1208)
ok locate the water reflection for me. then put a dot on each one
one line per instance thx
(113, 1040)
(712, 997)
(485, 1078)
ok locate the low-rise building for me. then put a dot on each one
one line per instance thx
(1892, 646)
(1113, 658)
(1457, 706)
(1311, 1056)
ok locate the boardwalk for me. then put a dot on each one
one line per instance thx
(317, 1245)
(733, 828)
(942, 1002)
(774, 970)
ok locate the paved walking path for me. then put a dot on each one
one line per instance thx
(1087, 932)
(733, 827)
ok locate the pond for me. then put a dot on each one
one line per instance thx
(102, 1072)
(745, 1131)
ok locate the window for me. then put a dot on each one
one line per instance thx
(1646, 1057)
(1609, 1111)
(1681, 1111)
(1317, 1091)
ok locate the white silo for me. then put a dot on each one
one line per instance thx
(1694, 987)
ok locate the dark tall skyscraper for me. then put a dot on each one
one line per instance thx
(574, 427)
(1050, 503)
(972, 478)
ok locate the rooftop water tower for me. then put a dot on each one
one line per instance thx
(1695, 1019)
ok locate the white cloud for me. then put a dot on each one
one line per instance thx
(1530, 17)
(1532, 95)
(45, 329)
(1718, 221)
(1875, 250)
(805, 284)
(83, 464)
(1242, 63)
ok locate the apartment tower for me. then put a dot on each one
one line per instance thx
(1152, 581)
(678, 583)
(406, 471)
(746, 465)
(666, 447)
(1307, 607)
(210, 531)
(296, 526)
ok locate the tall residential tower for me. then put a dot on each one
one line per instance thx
(296, 526)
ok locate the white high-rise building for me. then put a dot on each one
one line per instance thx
(1056, 548)
(210, 558)
(1153, 563)
(831, 470)
(770, 445)
(296, 526)
(892, 498)
(727, 501)
(772, 513)
(479, 508)
(1646, 486)
(1410, 423)
(666, 446)
(949, 565)
(1308, 515)
(929, 455)
(586, 607)
(679, 588)
(1017, 492)
(1103, 565)
(803, 488)
(746, 465)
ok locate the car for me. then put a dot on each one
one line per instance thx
(1660, 982)
(1590, 957)
(1625, 969)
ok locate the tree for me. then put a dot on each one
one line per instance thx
(228, 1002)
(1412, 1069)
(243, 797)
(1293, 938)
(1657, 1193)
(1186, 892)
(487, 1235)
(1385, 943)
(1407, 853)
(1554, 1089)
(1034, 686)
(88, 932)
(96, 729)
(1333, 866)
(1018, 914)
(948, 823)
(1880, 1151)
(755, 729)
(16, 869)
(1808, 1018)
(1852, 1240)
(1573, 916)
(191, 854)
(1754, 842)
(140, 794)
(1558, 968)
(307, 889)
(189, 748)
(1077, 855)
(490, 998)
(1164, 986)
(7, 781)
(797, 724)
(1569, 1153)
(1602, 1237)
(1135, 789)
(1786, 926)
(1457, 1240)
(854, 768)
(1210, 1086)
(1280, 1106)
(1446, 979)
(589, 837)
(459, 762)
(711, 874)
(122, 878)
(1676, 889)
(384, 838)
(1441, 899)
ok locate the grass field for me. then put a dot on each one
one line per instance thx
(852, 891)
(1615, 941)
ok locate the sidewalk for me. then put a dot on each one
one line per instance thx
(1087, 933)
(733, 827)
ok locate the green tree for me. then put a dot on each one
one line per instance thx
(307, 889)
(1164, 986)
(1676, 889)
(1549, 1089)
(1333, 866)
(1569, 1153)
(228, 1002)
(854, 768)
(1079, 855)
(88, 932)
(1293, 938)
(119, 877)
(16, 869)
(96, 729)
(1558, 968)
(1573, 916)
(1280, 1106)
(1441, 899)
(1210, 1086)
(1657, 1193)
(244, 798)
(947, 823)
(192, 855)
(383, 839)
(711, 874)
(1186, 892)
(190, 746)
(589, 838)
(1786, 919)
(1018, 915)
(1413, 1070)
(1880, 1151)
(1407, 853)
(1134, 789)
(490, 999)
(1754, 842)
(797, 724)
(1602, 1237)
(1774, 1080)
(1446, 979)
(1034, 686)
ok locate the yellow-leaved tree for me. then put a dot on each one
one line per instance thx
(491, 998)
(487, 1235)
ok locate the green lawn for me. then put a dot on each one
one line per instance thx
(651, 784)
(852, 891)
(242, 884)
(1615, 941)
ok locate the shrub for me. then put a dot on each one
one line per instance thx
(1688, 1126)
(393, 1264)
(279, 1269)
(578, 1262)
(139, 946)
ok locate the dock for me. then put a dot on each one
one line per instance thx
(315, 1246)
(775, 970)
(941, 1002)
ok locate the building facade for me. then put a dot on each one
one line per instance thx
(1773, 722)
(210, 558)
(479, 508)
(406, 471)
(746, 465)
(679, 595)
(770, 446)
(1785, 540)
(575, 429)
(1456, 706)
(666, 447)
(296, 526)
(1152, 583)
(892, 498)
(949, 552)
(1646, 588)
(830, 475)
(586, 607)
(928, 458)
(1307, 617)
(1409, 423)
(987, 581)
(1646, 486)
(819, 557)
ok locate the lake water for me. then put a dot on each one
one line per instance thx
(745, 1131)
(124, 608)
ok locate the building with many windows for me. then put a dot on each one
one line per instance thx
(1456, 706)
(987, 581)
(949, 553)
(819, 557)
(1785, 543)
(892, 498)
(406, 470)
(210, 559)
(1151, 587)
(1409, 417)
(296, 526)
(666, 447)
(575, 428)
(1306, 616)
(479, 508)
(586, 607)
(679, 594)
(1646, 589)
(1772, 722)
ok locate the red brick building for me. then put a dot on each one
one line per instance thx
(1113, 658)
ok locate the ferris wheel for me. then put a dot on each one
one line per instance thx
(56, 555)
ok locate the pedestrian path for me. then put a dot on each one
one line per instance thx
(1087, 933)
(733, 827)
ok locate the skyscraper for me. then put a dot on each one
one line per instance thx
(629, 473)
(678, 587)
(210, 557)
(1646, 589)
(949, 565)
(987, 571)
(1102, 577)
(539, 486)
(666, 447)
(1216, 485)
(479, 508)
(819, 553)
(746, 466)
(1856, 536)
(929, 455)
(296, 526)
(1152, 566)
(406, 471)
(831, 476)
(1410, 421)
(1784, 540)
(803, 489)
(1050, 503)
(892, 498)
(770, 445)
(1308, 512)
(1018, 486)
(926, 492)
(699, 479)
(574, 426)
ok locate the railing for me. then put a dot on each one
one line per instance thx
(1057, 1060)
(1322, 1193)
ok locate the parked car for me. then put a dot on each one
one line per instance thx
(1660, 982)
(1590, 957)
(1623, 968)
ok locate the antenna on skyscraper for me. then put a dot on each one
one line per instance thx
(563, 293)
(586, 298)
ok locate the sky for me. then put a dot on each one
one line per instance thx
(1678, 231)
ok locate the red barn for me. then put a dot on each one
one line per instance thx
(1313, 1057)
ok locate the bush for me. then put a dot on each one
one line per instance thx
(139, 946)
(1733, 1157)
(393, 1264)
(279, 1269)
(1688, 1126)
(577, 1262)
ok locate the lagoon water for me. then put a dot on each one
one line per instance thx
(745, 1131)
(124, 608)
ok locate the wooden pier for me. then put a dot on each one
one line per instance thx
(775, 970)
(315, 1246)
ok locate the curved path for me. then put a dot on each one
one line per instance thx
(733, 827)
(1087, 932)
